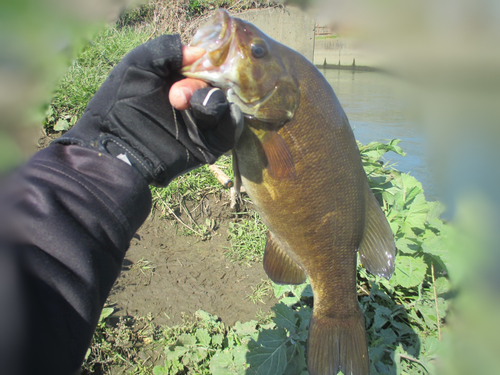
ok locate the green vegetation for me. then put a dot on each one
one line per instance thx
(404, 316)
(88, 72)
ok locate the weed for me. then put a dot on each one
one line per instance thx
(145, 266)
(248, 238)
(261, 290)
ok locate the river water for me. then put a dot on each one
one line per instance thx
(370, 100)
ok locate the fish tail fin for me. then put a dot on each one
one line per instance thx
(337, 345)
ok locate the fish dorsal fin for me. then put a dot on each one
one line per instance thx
(280, 163)
(279, 266)
(377, 250)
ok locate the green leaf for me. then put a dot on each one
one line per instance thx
(106, 312)
(268, 354)
(429, 314)
(388, 335)
(289, 301)
(437, 246)
(416, 215)
(382, 316)
(409, 272)
(279, 290)
(229, 362)
(296, 360)
(217, 339)
(186, 339)
(203, 337)
(407, 246)
(442, 285)
(61, 125)
(248, 329)
(285, 317)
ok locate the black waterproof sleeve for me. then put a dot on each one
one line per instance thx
(66, 220)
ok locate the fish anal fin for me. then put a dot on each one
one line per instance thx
(280, 164)
(279, 266)
(377, 250)
(337, 344)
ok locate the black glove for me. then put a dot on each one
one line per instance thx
(130, 116)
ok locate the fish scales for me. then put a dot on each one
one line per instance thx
(301, 167)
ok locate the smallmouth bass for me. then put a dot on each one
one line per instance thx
(299, 163)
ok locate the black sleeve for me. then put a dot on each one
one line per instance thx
(66, 220)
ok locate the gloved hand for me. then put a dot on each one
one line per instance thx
(130, 116)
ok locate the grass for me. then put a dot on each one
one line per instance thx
(88, 72)
(261, 290)
(247, 237)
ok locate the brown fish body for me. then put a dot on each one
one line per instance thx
(300, 165)
(318, 217)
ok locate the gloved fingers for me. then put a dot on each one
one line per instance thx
(213, 124)
(181, 92)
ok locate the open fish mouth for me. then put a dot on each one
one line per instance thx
(221, 63)
(215, 38)
(239, 60)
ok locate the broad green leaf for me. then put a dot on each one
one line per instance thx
(388, 335)
(222, 364)
(296, 360)
(289, 301)
(187, 339)
(176, 352)
(429, 315)
(247, 329)
(416, 215)
(279, 290)
(409, 271)
(206, 317)
(402, 328)
(437, 246)
(61, 125)
(302, 290)
(160, 370)
(442, 285)
(203, 337)
(407, 246)
(229, 362)
(268, 354)
(285, 317)
(305, 316)
(217, 339)
(382, 316)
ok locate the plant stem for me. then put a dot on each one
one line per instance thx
(437, 306)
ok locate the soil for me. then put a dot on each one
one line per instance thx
(187, 273)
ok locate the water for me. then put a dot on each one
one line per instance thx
(375, 113)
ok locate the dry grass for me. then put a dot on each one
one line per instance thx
(181, 17)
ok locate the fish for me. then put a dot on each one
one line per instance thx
(299, 162)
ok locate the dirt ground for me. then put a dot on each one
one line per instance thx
(167, 273)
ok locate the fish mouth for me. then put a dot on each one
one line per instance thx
(215, 38)
(219, 65)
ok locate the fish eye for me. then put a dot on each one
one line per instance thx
(259, 50)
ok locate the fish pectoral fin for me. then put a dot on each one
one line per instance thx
(279, 266)
(280, 164)
(377, 250)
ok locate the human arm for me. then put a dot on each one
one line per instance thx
(67, 216)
